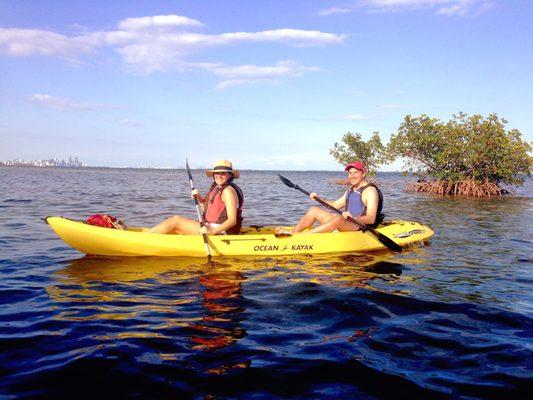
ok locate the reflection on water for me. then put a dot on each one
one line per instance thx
(185, 300)
(107, 289)
(89, 269)
(340, 268)
(94, 288)
(221, 295)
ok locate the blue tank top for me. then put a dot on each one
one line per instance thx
(356, 207)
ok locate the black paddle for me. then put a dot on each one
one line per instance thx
(200, 219)
(379, 236)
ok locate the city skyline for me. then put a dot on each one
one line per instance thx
(50, 162)
(268, 85)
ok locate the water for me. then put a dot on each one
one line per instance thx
(449, 320)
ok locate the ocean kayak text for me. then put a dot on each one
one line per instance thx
(277, 247)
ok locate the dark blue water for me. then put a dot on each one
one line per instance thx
(449, 320)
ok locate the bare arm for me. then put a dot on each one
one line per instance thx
(338, 204)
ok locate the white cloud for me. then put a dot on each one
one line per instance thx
(354, 92)
(158, 21)
(347, 9)
(66, 104)
(485, 7)
(391, 106)
(247, 74)
(137, 37)
(27, 42)
(293, 37)
(161, 43)
(129, 122)
(229, 83)
(150, 52)
(282, 68)
(354, 117)
(461, 8)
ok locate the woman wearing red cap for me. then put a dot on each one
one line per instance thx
(222, 206)
(362, 201)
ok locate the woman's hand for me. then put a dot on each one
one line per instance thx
(206, 230)
(313, 195)
(201, 200)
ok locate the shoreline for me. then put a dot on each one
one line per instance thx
(179, 169)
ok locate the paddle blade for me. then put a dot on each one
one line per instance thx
(188, 168)
(286, 181)
(386, 241)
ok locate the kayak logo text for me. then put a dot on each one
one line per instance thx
(275, 247)
(410, 233)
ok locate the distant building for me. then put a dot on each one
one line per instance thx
(52, 162)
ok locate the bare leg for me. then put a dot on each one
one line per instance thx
(314, 214)
(176, 224)
(336, 222)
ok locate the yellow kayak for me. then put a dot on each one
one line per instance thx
(254, 240)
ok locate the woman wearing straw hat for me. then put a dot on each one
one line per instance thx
(222, 206)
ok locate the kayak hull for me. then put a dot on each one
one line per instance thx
(254, 241)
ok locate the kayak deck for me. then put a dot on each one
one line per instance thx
(254, 240)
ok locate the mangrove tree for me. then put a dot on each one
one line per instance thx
(468, 155)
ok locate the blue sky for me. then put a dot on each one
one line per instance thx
(267, 84)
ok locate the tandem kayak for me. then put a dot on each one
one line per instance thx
(253, 241)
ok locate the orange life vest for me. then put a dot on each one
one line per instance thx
(215, 209)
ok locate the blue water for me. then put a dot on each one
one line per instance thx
(452, 319)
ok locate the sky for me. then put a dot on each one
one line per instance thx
(267, 84)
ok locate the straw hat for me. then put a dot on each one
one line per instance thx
(223, 166)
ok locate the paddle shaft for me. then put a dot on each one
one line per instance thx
(382, 238)
(200, 219)
(327, 205)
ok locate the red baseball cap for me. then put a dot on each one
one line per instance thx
(357, 165)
